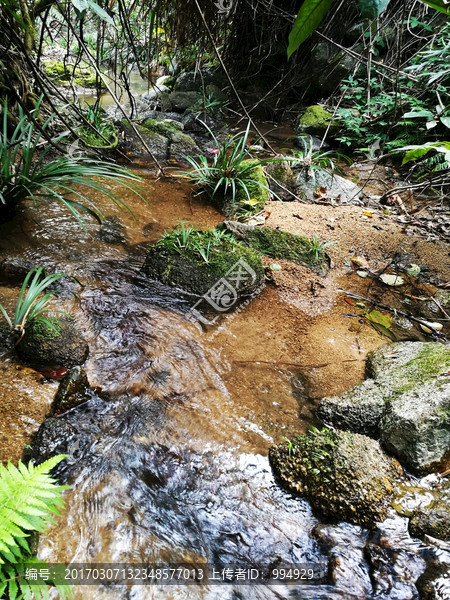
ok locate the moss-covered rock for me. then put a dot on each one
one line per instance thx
(158, 144)
(73, 390)
(280, 244)
(406, 401)
(63, 73)
(344, 476)
(187, 269)
(166, 127)
(281, 179)
(59, 344)
(182, 144)
(315, 120)
(433, 518)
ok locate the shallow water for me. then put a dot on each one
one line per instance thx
(170, 461)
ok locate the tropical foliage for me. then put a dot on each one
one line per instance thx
(312, 13)
(27, 170)
(29, 499)
(30, 306)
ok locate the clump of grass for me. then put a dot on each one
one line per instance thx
(31, 305)
(319, 161)
(27, 171)
(104, 126)
(317, 247)
(198, 245)
(230, 172)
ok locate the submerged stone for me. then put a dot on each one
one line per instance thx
(434, 518)
(73, 390)
(344, 476)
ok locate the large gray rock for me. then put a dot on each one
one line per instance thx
(344, 476)
(180, 101)
(406, 402)
(337, 188)
(193, 81)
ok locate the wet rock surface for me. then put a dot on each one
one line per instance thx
(53, 437)
(198, 277)
(73, 390)
(433, 518)
(112, 231)
(406, 402)
(344, 476)
(59, 344)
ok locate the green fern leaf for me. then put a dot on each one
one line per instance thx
(29, 499)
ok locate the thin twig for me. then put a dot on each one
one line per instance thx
(233, 87)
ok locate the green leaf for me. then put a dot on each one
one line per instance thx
(418, 114)
(371, 9)
(440, 5)
(375, 316)
(445, 121)
(308, 19)
(100, 12)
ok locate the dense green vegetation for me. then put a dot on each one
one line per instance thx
(29, 499)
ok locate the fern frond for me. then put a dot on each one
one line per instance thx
(28, 500)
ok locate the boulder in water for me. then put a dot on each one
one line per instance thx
(344, 476)
(56, 342)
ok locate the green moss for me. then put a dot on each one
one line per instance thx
(165, 127)
(282, 244)
(42, 331)
(62, 73)
(256, 183)
(432, 361)
(316, 119)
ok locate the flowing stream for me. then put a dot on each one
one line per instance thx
(171, 455)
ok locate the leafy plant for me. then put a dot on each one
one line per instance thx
(312, 12)
(104, 126)
(29, 498)
(26, 171)
(29, 306)
(208, 104)
(317, 247)
(319, 160)
(290, 444)
(196, 244)
(228, 173)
